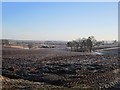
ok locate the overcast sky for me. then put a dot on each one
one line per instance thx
(60, 21)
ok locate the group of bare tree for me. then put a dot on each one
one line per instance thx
(89, 44)
(5, 42)
(82, 45)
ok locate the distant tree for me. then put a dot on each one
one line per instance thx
(76, 45)
(103, 42)
(30, 46)
(89, 44)
(5, 42)
(98, 43)
(83, 44)
(70, 44)
(114, 41)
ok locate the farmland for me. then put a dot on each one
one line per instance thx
(60, 69)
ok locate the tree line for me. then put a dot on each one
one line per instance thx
(82, 45)
(87, 44)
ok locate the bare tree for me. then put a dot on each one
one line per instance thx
(70, 44)
(30, 46)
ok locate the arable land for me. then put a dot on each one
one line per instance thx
(56, 68)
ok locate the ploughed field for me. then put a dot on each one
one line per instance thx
(61, 68)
